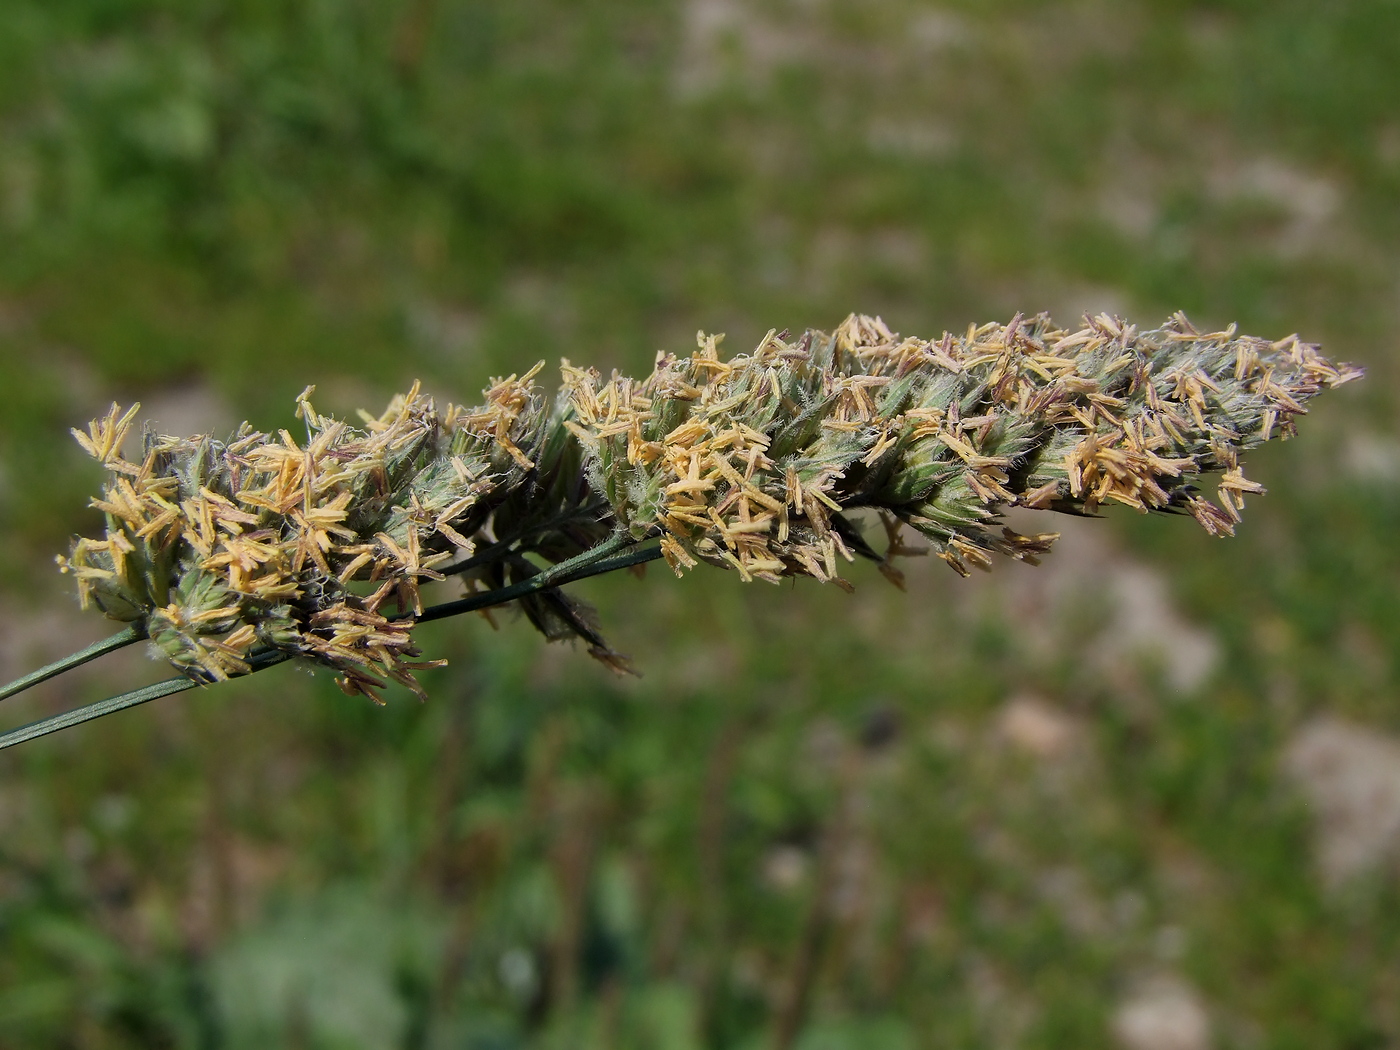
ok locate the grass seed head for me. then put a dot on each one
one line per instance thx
(320, 548)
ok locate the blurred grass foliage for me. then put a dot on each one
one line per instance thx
(983, 813)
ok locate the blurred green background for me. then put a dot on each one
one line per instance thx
(1146, 796)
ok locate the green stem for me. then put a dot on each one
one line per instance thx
(503, 545)
(598, 552)
(540, 582)
(122, 638)
(591, 563)
(111, 705)
(260, 661)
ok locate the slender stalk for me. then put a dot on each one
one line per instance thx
(260, 661)
(592, 562)
(543, 581)
(122, 638)
(594, 554)
(111, 705)
(504, 544)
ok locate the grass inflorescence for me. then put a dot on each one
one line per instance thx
(318, 549)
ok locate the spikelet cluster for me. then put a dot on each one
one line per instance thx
(762, 463)
(318, 548)
(757, 462)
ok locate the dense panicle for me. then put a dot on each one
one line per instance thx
(761, 463)
(757, 462)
